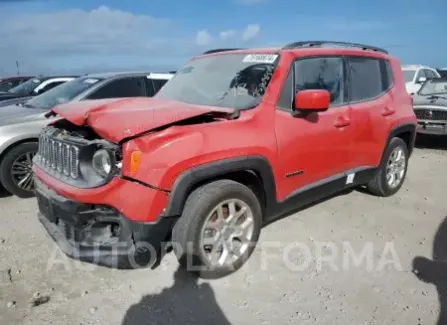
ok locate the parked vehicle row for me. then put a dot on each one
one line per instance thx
(21, 123)
(234, 140)
(428, 86)
(30, 88)
(430, 107)
(7, 83)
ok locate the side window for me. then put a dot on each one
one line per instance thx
(15, 83)
(387, 74)
(321, 73)
(420, 74)
(125, 87)
(366, 79)
(158, 83)
(285, 98)
(430, 74)
(50, 86)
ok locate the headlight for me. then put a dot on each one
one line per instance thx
(102, 162)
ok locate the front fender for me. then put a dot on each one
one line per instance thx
(194, 176)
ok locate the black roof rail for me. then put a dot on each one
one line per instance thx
(221, 50)
(301, 44)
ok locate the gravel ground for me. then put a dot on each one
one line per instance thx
(279, 285)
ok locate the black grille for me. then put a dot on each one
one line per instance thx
(58, 156)
(431, 114)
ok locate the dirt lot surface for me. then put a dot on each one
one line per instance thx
(279, 285)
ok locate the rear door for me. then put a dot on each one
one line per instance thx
(372, 107)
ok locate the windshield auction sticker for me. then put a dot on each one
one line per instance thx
(260, 58)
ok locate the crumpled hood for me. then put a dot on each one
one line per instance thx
(120, 118)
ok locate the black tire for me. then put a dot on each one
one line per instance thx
(6, 164)
(378, 185)
(187, 231)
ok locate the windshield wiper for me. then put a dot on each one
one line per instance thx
(28, 105)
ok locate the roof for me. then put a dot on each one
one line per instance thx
(323, 46)
(16, 77)
(107, 75)
(415, 67)
(55, 76)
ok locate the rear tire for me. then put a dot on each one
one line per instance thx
(212, 219)
(394, 162)
(15, 170)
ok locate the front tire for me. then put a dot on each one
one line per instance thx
(15, 170)
(218, 229)
(392, 170)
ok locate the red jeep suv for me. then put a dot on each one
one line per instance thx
(236, 138)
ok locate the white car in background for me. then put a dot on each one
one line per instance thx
(415, 76)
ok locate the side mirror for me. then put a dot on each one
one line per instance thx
(421, 80)
(312, 100)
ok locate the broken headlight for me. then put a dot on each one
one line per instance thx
(103, 162)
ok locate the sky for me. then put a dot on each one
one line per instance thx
(86, 36)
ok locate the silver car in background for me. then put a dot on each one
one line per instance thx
(430, 107)
(21, 123)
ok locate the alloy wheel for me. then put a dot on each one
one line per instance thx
(227, 233)
(21, 171)
(395, 169)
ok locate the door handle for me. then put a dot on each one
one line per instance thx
(388, 111)
(341, 122)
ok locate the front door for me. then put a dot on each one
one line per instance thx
(315, 148)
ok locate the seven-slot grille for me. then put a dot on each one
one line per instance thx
(431, 114)
(59, 156)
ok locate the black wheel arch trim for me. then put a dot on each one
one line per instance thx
(196, 175)
(403, 128)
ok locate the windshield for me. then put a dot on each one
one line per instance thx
(228, 80)
(433, 87)
(61, 94)
(409, 75)
(26, 88)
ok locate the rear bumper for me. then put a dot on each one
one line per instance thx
(432, 127)
(100, 234)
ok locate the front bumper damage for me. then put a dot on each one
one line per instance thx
(100, 234)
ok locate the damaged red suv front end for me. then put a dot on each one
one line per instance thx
(92, 198)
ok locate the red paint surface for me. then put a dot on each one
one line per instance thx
(136, 202)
